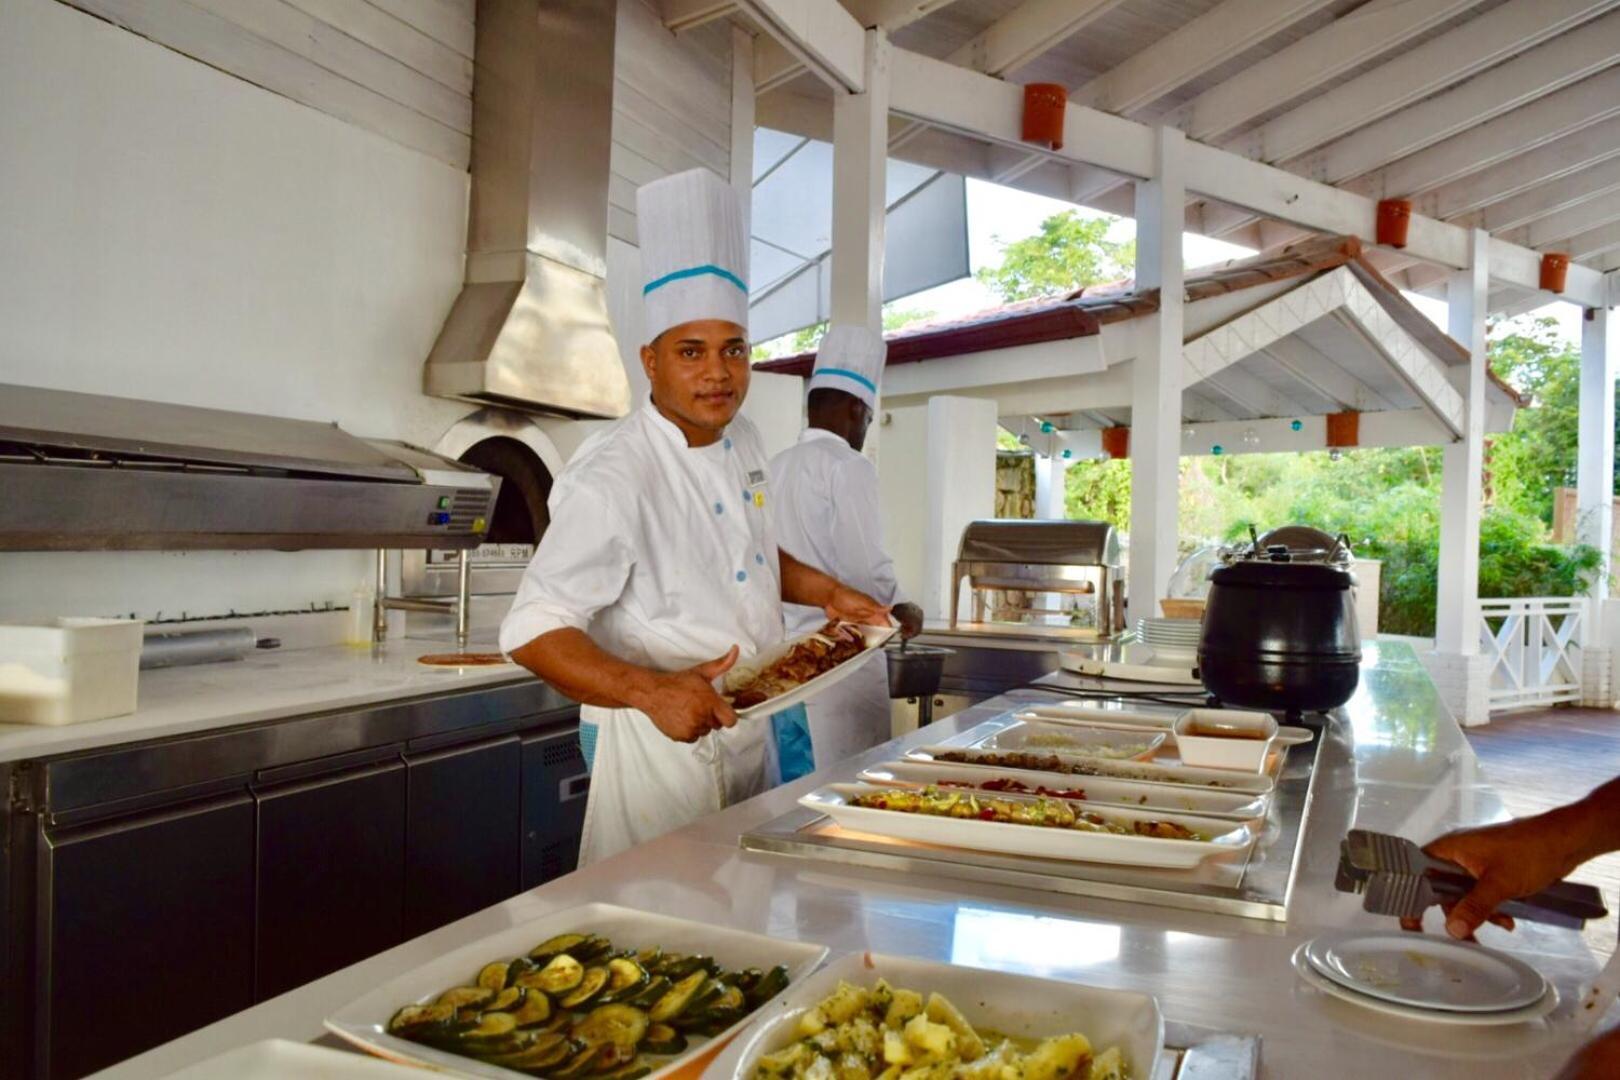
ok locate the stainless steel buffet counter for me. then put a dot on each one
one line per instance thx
(1395, 761)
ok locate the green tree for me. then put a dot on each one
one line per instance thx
(1539, 453)
(809, 338)
(1068, 252)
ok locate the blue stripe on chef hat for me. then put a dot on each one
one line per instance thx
(850, 359)
(694, 251)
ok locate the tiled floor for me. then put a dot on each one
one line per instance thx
(1538, 760)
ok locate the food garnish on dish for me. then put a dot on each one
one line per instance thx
(1023, 810)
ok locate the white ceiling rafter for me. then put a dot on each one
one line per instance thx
(1589, 101)
(1322, 375)
(1596, 242)
(1552, 197)
(775, 66)
(1343, 45)
(1532, 74)
(1225, 31)
(1572, 221)
(679, 15)
(1568, 154)
(1416, 73)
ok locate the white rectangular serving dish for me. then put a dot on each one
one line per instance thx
(1227, 836)
(876, 637)
(1154, 720)
(1021, 1006)
(363, 1021)
(1102, 790)
(279, 1059)
(1077, 740)
(1144, 771)
(1244, 745)
(68, 670)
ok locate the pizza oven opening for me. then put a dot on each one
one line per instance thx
(520, 515)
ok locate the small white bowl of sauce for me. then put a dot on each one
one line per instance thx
(1225, 738)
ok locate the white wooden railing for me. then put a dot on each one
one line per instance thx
(1535, 646)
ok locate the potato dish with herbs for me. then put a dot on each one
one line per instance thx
(1021, 810)
(887, 1033)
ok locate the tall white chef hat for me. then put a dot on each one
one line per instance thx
(850, 359)
(694, 251)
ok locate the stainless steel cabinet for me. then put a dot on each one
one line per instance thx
(146, 927)
(461, 831)
(331, 855)
(555, 784)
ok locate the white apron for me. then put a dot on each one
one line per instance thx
(851, 716)
(665, 554)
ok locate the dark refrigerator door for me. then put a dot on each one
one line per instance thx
(147, 931)
(331, 874)
(555, 784)
(461, 832)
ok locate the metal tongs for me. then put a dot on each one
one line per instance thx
(1395, 877)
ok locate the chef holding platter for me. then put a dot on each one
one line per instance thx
(828, 511)
(661, 567)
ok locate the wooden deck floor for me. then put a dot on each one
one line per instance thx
(1538, 760)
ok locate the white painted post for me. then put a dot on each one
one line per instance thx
(1456, 619)
(1600, 351)
(742, 114)
(961, 487)
(1156, 378)
(1051, 476)
(860, 175)
(1460, 672)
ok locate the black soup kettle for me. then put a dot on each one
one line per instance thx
(1280, 630)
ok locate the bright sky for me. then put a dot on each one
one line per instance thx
(1001, 212)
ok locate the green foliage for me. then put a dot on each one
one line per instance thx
(1006, 440)
(1099, 491)
(1068, 252)
(809, 338)
(1538, 455)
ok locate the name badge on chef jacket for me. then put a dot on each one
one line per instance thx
(756, 487)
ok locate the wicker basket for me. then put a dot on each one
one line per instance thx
(1182, 609)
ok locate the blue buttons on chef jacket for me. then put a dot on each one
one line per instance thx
(719, 508)
(760, 559)
(726, 442)
(747, 498)
(742, 575)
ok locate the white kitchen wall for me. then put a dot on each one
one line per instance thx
(961, 487)
(903, 485)
(170, 231)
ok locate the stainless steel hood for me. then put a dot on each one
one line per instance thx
(530, 328)
(84, 472)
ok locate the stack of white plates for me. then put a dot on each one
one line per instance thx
(1170, 637)
(1426, 978)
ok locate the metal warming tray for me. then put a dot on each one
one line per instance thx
(86, 472)
(1040, 577)
(1257, 886)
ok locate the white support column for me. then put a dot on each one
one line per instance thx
(1600, 352)
(1460, 672)
(860, 176)
(1051, 476)
(1156, 378)
(742, 113)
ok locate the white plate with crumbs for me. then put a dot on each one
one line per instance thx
(1427, 972)
(1020, 1006)
(1317, 981)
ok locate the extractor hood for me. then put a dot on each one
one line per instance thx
(84, 472)
(530, 328)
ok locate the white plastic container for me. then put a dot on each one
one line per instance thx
(68, 670)
(1225, 738)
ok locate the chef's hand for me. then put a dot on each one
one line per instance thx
(849, 605)
(1597, 1060)
(685, 705)
(910, 617)
(1510, 860)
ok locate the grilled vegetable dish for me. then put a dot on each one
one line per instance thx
(1026, 810)
(1018, 787)
(816, 655)
(1053, 740)
(887, 1033)
(579, 1006)
(1014, 759)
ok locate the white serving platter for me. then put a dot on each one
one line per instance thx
(1227, 836)
(1427, 972)
(1101, 790)
(1123, 719)
(1137, 662)
(1076, 740)
(1317, 981)
(876, 637)
(363, 1021)
(1021, 1006)
(279, 1059)
(1144, 771)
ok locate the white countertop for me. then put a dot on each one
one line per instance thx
(1400, 765)
(268, 685)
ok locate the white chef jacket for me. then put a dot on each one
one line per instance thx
(666, 556)
(828, 515)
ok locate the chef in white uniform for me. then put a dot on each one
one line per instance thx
(828, 514)
(660, 567)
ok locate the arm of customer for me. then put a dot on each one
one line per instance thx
(804, 584)
(580, 568)
(1521, 857)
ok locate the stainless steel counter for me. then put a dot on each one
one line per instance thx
(1405, 768)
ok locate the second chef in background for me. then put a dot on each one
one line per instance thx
(828, 513)
(661, 564)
